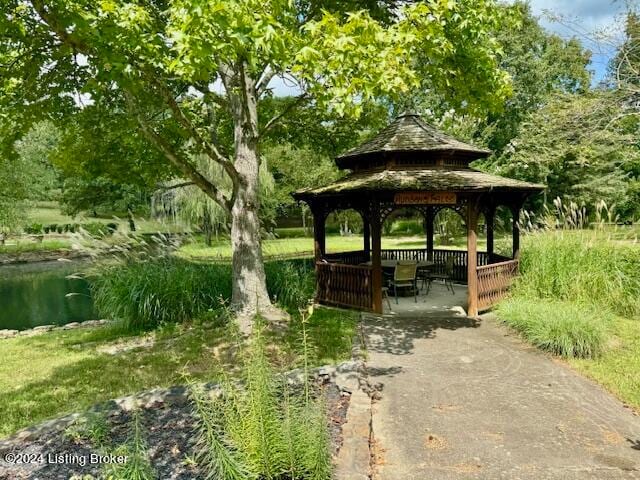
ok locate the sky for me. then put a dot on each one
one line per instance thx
(581, 18)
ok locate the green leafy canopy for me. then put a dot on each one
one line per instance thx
(55, 50)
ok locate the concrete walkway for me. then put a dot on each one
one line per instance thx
(467, 400)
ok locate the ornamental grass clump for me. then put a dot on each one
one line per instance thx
(144, 294)
(262, 428)
(290, 283)
(562, 328)
(574, 278)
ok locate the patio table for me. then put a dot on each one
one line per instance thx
(423, 264)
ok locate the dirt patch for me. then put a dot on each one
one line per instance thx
(612, 437)
(127, 345)
(435, 442)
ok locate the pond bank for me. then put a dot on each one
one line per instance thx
(38, 256)
(40, 329)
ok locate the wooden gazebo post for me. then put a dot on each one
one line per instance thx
(319, 237)
(376, 258)
(472, 257)
(366, 234)
(515, 231)
(429, 219)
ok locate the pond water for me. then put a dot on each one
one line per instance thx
(42, 294)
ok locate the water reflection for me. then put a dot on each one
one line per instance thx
(36, 294)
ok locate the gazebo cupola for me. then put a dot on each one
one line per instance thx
(410, 142)
(409, 163)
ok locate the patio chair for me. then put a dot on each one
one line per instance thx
(446, 276)
(404, 276)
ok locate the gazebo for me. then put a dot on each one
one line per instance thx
(410, 164)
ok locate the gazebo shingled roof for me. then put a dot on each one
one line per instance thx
(411, 163)
(437, 162)
(391, 180)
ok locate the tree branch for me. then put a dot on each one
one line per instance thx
(210, 149)
(298, 101)
(173, 187)
(183, 164)
(57, 28)
(265, 78)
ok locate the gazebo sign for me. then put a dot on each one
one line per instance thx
(425, 198)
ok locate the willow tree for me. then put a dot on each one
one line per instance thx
(184, 202)
(169, 64)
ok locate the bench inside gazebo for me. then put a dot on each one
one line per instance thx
(410, 164)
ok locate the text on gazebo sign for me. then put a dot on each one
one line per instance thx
(425, 198)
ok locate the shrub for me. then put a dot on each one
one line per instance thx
(95, 229)
(406, 227)
(292, 232)
(34, 229)
(51, 228)
(563, 328)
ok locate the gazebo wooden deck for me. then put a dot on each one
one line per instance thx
(411, 164)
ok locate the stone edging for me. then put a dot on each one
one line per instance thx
(176, 395)
(39, 330)
(355, 456)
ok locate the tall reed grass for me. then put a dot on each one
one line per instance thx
(581, 266)
(575, 275)
(144, 293)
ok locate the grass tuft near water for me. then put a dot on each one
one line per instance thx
(144, 294)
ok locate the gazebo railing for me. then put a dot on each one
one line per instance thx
(494, 281)
(343, 281)
(344, 285)
(351, 258)
(440, 257)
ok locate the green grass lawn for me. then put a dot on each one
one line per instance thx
(27, 245)
(48, 213)
(618, 367)
(62, 372)
(284, 246)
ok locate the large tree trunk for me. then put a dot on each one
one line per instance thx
(249, 293)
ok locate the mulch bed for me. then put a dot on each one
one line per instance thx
(169, 433)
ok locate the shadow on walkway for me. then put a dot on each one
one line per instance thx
(397, 335)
